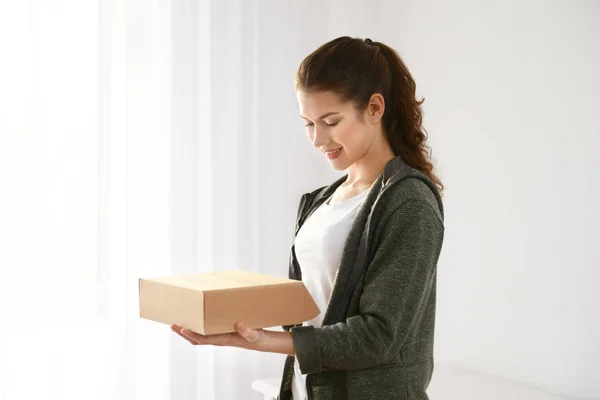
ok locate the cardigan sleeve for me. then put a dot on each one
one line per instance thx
(397, 283)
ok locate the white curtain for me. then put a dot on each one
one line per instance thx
(98, 189)
(142, 138)
(87, 205)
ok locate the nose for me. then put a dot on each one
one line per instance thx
(319, 138)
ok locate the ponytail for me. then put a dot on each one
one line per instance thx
(403, 116)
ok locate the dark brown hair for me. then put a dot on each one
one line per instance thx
(355, 69)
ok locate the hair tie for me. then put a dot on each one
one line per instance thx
(368, 41)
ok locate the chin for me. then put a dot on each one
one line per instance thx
(339, 165)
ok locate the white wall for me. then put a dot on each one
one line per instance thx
(512, 99)
(511, 106)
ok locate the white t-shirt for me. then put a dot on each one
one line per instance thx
(319, 245)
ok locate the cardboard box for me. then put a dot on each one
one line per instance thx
(211, 303)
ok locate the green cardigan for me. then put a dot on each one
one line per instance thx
(376, 341)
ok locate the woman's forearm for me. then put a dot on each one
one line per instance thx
(275, 342)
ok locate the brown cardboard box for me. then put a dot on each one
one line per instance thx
(210, 303)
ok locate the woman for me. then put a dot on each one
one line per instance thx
(366, 246)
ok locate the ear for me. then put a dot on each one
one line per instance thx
(375, 108)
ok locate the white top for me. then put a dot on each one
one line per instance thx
(319, 246)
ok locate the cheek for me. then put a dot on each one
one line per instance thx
(352, 137)
(344, 134)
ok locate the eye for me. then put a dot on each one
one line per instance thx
(309, 124)
(332, 124)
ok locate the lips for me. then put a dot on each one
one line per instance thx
(331, 152)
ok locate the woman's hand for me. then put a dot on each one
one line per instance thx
(245, 337)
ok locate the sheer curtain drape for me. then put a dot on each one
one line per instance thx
(97, 189)
(142, 138)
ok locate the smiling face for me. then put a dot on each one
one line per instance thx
(341, 132)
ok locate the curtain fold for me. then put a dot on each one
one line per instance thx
(137, 139)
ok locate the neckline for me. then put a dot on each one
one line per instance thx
(347, 201)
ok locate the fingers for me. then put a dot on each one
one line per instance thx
(241, 338)
(224, 339)
(186, 338)
(178, 330)
(196, 337)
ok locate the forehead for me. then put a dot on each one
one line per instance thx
(313, 104)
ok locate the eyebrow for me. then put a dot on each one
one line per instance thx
(323, 116)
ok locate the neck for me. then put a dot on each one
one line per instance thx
(368, 168)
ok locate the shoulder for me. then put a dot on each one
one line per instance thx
(408, 212)
(413, 194)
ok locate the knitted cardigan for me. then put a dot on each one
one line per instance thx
(377, 336)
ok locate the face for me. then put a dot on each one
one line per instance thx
(335, 128)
